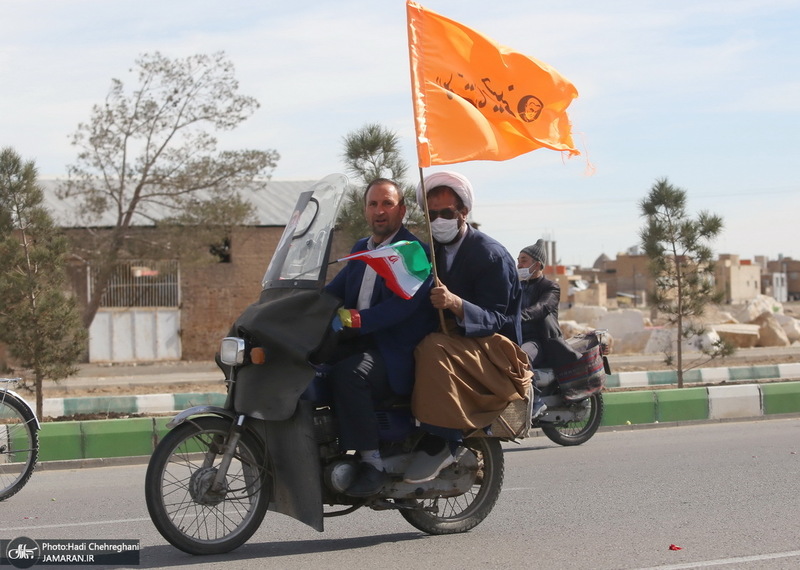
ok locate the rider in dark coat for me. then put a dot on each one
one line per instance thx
(540, 298)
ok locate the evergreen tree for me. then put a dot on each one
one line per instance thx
(39, 322)
(681, 262)
(371, 152)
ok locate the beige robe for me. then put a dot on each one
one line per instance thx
(467, 382)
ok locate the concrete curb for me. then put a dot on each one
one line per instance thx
(106, 439)
(140, 404)
(705, 375)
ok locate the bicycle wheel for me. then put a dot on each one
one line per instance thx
(19, 444)
(182, 504)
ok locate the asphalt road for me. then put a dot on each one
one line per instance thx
(727, 494)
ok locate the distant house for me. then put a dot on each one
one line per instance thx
(782, 279)
(738, 279)
(157, 309)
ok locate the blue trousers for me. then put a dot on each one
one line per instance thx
(357, 382)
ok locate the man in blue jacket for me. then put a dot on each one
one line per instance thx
(379, 331)
(479, 289)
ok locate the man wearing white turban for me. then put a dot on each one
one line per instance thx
(479, 289)
(479, 283)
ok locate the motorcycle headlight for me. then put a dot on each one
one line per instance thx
(232, 350)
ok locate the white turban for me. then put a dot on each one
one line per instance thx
(454, 180)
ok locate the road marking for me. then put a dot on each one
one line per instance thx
(64, 525)
(722, 561)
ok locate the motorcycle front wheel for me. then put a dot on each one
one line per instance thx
(578, 432)
(185, 509)
(450, 515)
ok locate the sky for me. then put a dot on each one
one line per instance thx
(705, 93)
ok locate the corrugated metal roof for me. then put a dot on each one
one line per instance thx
(272, 206)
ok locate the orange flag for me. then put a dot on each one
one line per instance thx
(477, 100)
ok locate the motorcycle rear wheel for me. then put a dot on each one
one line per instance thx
(576, 433)
(459, 514)
(183, 508)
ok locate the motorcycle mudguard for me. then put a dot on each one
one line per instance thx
(295, 467)
(204, 410)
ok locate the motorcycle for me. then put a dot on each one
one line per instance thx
(573, 391)
(273, 445)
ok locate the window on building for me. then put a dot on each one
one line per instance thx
(221, 250)
(143, 283)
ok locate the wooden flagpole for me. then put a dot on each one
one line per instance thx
(436, 281)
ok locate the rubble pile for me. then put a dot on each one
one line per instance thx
(759, 322)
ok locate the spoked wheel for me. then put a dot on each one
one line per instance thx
(19, 445)
(181, 500)
(578, 432)
(450, 515)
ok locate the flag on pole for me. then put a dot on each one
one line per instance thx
(403, 265)
(477, 100)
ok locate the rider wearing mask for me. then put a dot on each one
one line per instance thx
(540, 298)
(479, 290)
(379, 330)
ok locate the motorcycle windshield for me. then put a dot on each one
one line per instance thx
(301, 257)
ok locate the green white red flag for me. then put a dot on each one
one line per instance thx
(403, 265)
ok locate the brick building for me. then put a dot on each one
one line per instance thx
(160, 309)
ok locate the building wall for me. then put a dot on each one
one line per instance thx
(212, 296)
(739, 280)
(792, 269)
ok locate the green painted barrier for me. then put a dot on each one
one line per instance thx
(780, 398)
(681, 404)
(622, 408)
(118, 438)
(60, 440)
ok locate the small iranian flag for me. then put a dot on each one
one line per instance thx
(403, 265)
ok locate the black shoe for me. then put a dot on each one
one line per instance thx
(369, 481)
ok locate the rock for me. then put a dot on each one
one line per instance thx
(770, 332)
(713, 314)
(584, 314)
(660, 341)
(739, 335)
(620, 323)
(633, 342)
(790, 326)
(749, 311)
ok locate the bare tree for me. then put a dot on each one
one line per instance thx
(148, 155)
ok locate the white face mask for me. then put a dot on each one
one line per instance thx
(524, 273)
(444, 231)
